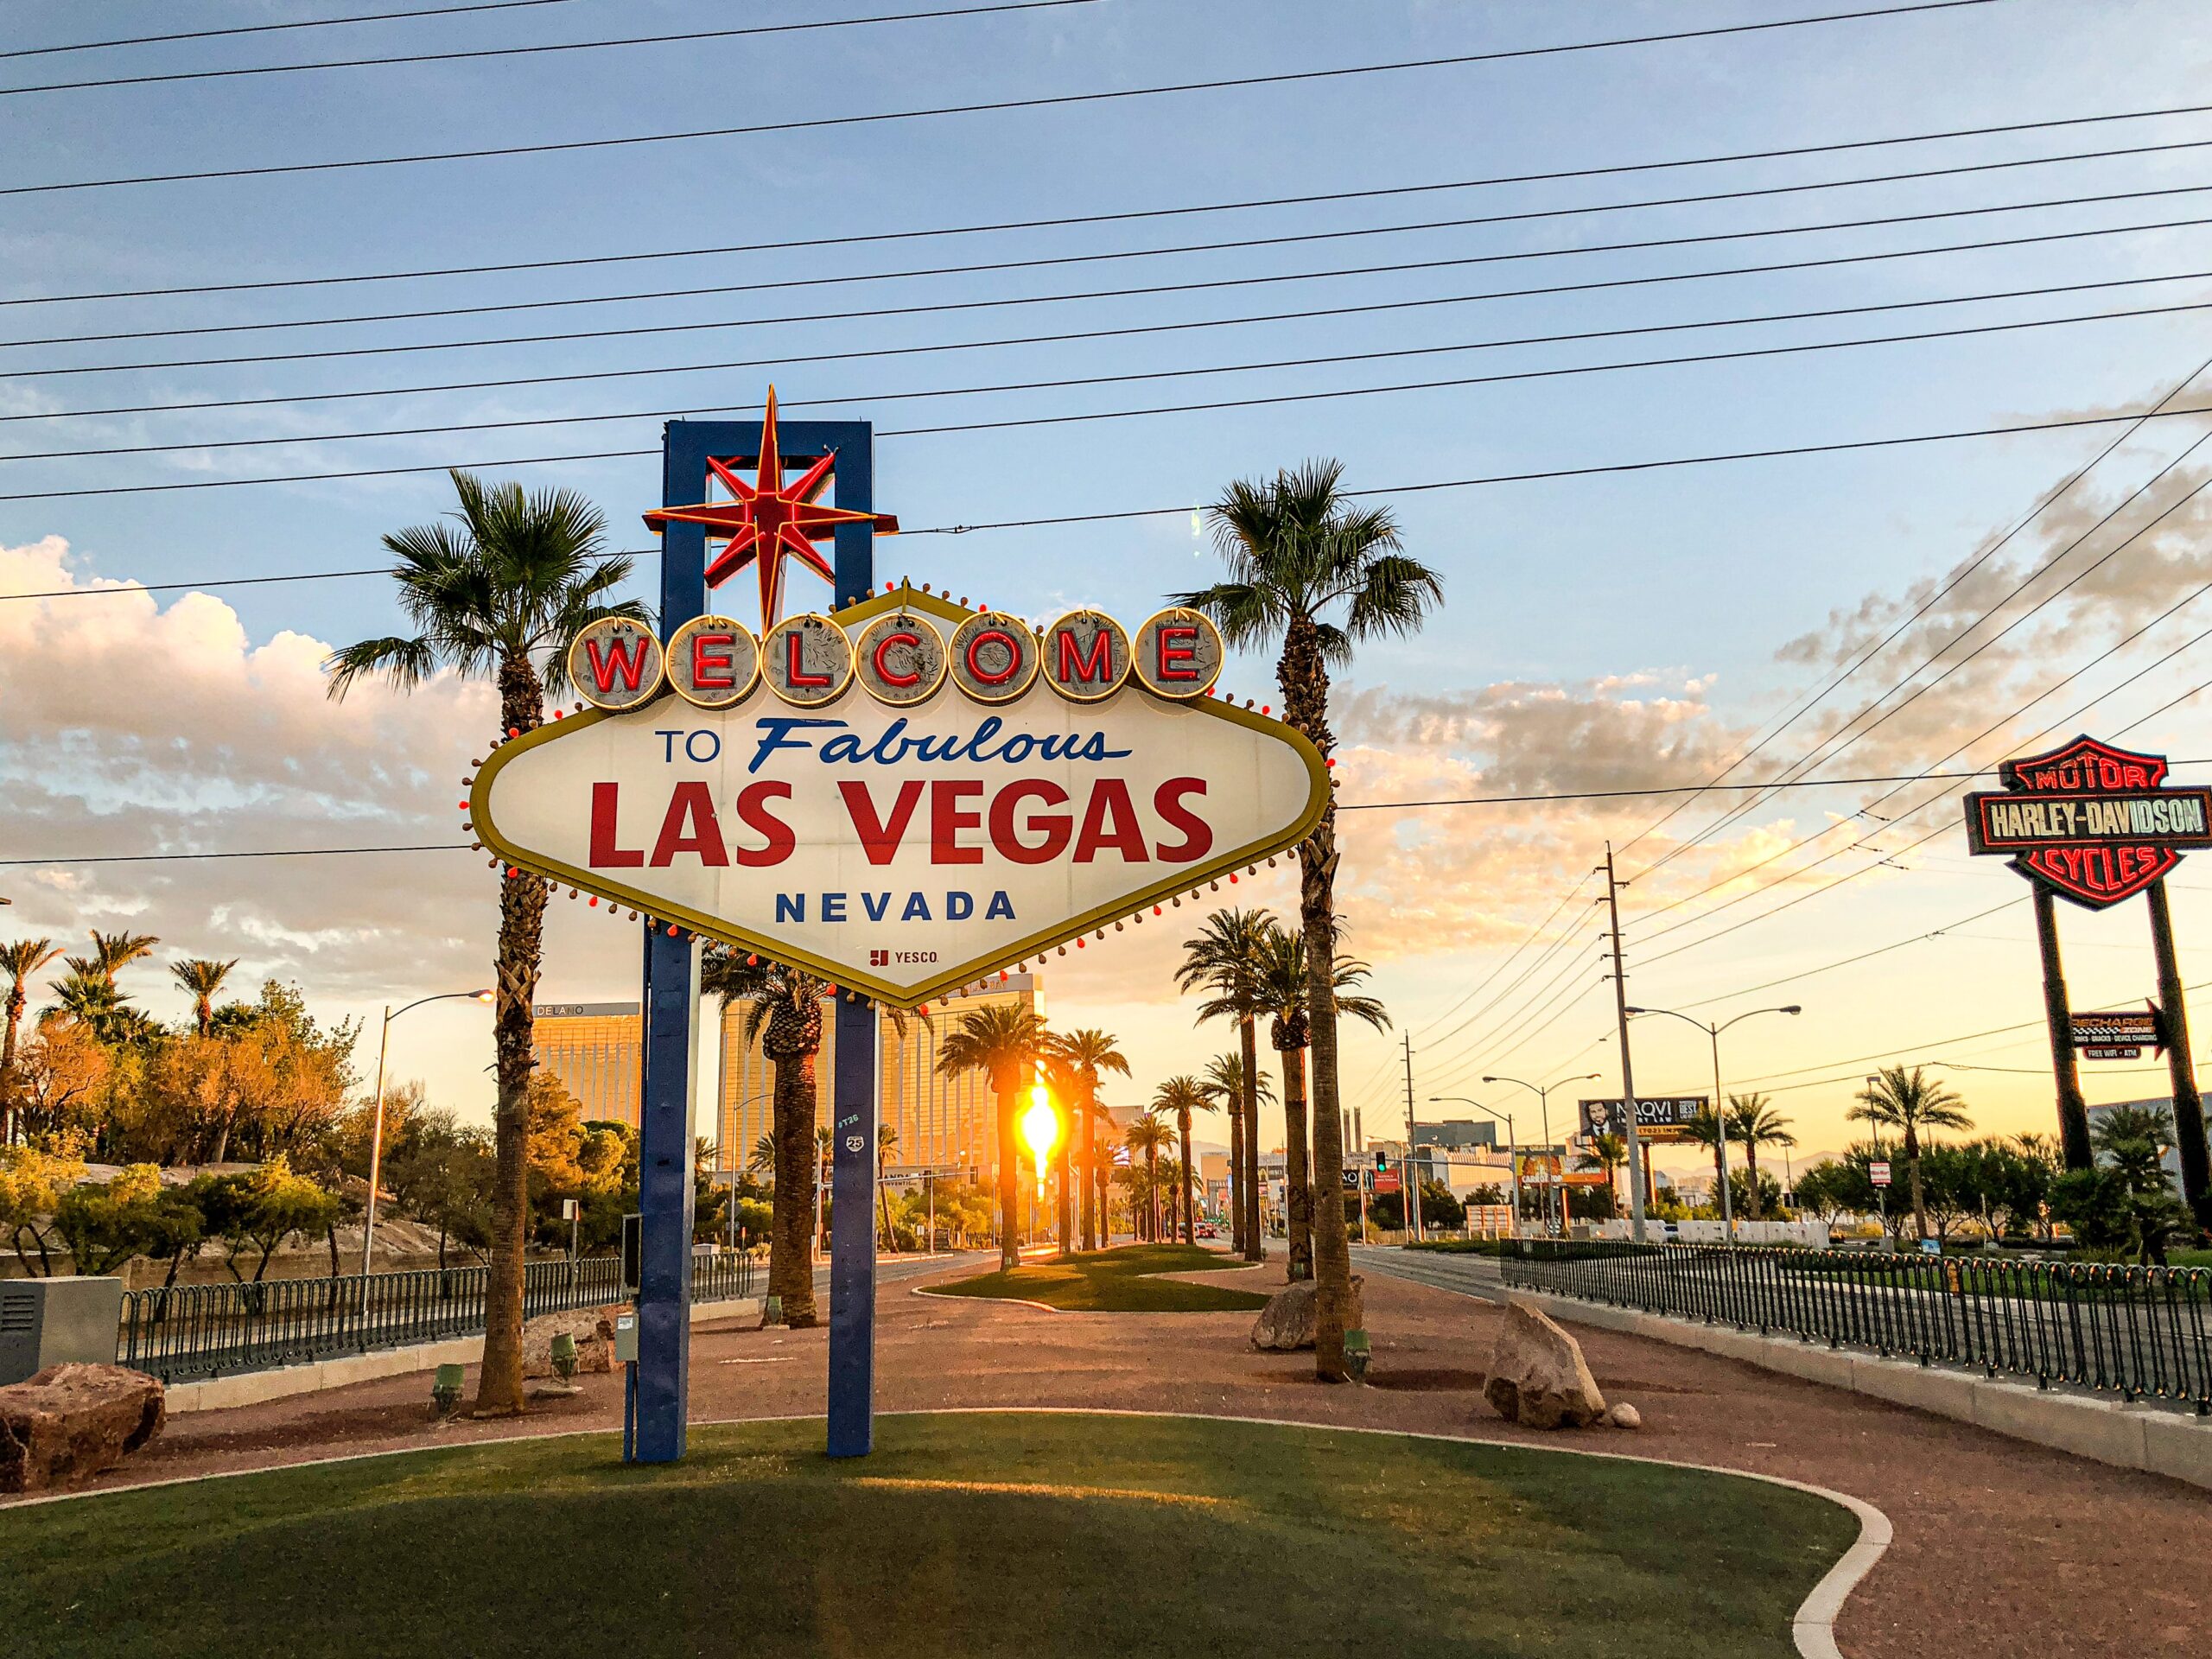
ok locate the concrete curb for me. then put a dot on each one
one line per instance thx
(254, 1388)
(2156, 1440)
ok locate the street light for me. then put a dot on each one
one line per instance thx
(1719, 1100)
(1512, 1146)
(1543, 1094)
(376, 1138)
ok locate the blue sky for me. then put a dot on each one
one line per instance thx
(1652, 606)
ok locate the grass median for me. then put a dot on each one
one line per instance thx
(1123, 1281)
(969, 1535)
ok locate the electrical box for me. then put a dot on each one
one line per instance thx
(57, 1322)
(625, 1338)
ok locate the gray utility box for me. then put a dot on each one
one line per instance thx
(57, 1321)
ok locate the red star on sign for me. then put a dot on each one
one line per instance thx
(769, 520)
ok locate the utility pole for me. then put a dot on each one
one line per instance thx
(1628, 1072)
(1409, 1184)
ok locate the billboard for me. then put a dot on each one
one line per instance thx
(906, 796)
(1663, 1118)
(2118, 1035)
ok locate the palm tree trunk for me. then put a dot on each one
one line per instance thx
(1236, 1174)
(522, 922)
(1064, 1208)
(791, 1227)
(1009, 1184)
(1750, 1179)
(16, 999)
(1087, 1173)
(1298, 1176)
(1304, 681)
(1152, 1195)
(1912, 1174)
(1247, 1179)
(1190, 1216)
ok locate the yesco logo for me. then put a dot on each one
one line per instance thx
(900, 658)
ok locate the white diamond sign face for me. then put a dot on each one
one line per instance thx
(901, 849)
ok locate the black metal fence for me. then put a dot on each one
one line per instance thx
(190, 1331)
(2137, 1331)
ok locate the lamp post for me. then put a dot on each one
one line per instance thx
(1556, 1210)
(1720, 1100)
(1512, 1146)
(376, 1135)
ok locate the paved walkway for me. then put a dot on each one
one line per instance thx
(2002, 1549)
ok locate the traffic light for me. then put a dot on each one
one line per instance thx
(1381, 1158)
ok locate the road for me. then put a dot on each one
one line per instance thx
(1470, 1276)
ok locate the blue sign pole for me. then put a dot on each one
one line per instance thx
(665, 1118)
(853, 1088)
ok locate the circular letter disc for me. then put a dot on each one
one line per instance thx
(1086, 655)
(1179, 653)
(615, 663)
(713, 662)
(806, 660)
(899, 659)
(993, 656)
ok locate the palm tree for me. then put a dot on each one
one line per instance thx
(1704, 1128)
(1300, 555)
(1183, 1095)
(1752, 1123)
(1222, 960)
(112, 951)
(1102, 1129)
(1225, 1081)
(1608, 1153)
(764, 1156)
(1283, 987)
(784, 1013)
(19, 960)
(1909, 1102)
(1080, 1055)
(498, 596)
(1145, 1137)
(1005, 1042)
(203, 979)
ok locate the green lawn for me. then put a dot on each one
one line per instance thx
(1114, 1281)
(967, 1535)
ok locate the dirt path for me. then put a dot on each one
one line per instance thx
(2002, 1549)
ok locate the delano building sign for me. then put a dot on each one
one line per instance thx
(906, 796)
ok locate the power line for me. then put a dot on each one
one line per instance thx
(2044, 568)
(1287, 238)
(1557, 175)
(693, 36)
(1823, 748)
(1959, 576)
(1192, 372)
(2062, 720)
(1550, 474)
(271, 29)
(1530, 939)
(1187, 286)
(1880, 949)
(815, 123)
(937, 347)
(444, 847)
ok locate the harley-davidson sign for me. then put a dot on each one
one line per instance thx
(906, 796)
(2091, 822)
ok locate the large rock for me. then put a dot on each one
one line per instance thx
(1286, 1322)
(592, 1327)
(69, 1423)
(1537, 1375)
